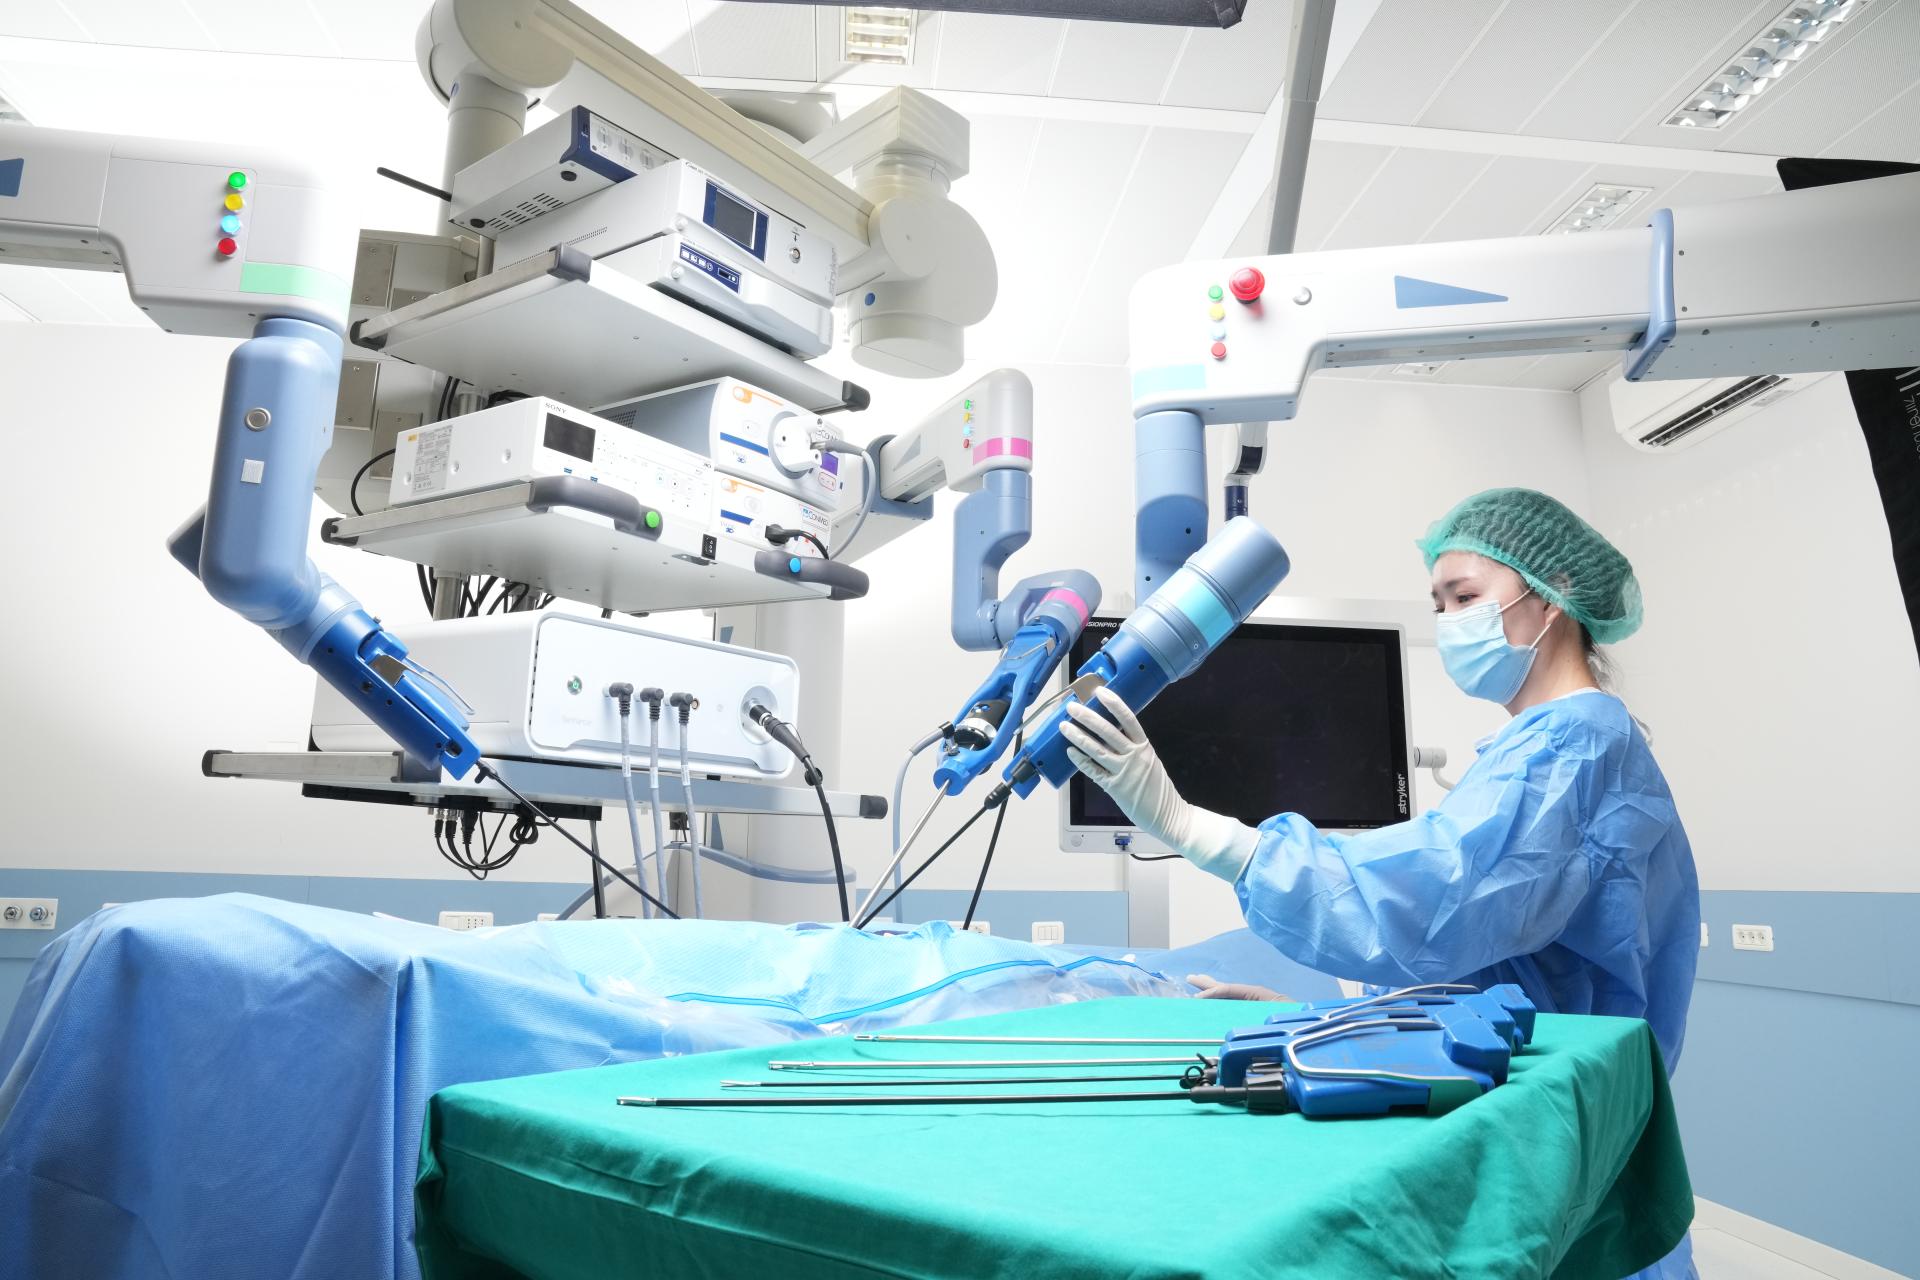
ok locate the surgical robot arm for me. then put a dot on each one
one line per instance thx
(981, 443)
(227, 242)
(1702, 291)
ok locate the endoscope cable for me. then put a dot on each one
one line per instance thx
(487, 772)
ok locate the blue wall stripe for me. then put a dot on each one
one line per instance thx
(1092, 917)
(1863, 945)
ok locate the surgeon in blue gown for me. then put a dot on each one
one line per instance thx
(1557, 862)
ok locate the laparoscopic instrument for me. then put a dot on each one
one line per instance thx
(1425, 1049)
(1162, 641)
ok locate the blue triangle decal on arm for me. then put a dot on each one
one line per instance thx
(1409, 292)
(10, 176)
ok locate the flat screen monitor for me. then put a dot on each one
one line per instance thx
(1308, 718)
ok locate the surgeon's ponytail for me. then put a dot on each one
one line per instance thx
(1599, 664)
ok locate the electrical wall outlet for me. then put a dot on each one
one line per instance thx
(1753, 937)
(1706, 935)
(1049, 933)
(28, 913)
(978, 926)
(461, 921)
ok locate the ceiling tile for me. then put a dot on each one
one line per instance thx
(1178, 177)
(1404, 56)
(1657, 54)
(1115, 61)
(753, 41)
(287, 26)
(158, 24)
(1852, 74)
(1512, 197)
(661, 27)
(376, 28)
(1404, 198)
(40, 20)
(1236, 69)
(998, 53)
(1527, 51)
(1336, 173)
(1078, 170)
(1891, 133)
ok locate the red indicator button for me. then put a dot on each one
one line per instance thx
(1219, 351)
(1247, 284)
(228, 246)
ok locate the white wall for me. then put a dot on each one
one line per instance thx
(1776, 666)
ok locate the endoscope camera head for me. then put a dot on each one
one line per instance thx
(975, 730)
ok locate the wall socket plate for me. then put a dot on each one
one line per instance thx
(29, 913)
(1049, 933)
(461, 921)
(1706, 935)
(1753, 937)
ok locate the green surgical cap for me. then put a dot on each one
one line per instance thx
(1560, 555)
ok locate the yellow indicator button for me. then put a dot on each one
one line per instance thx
(1216, 313)
(236, 202)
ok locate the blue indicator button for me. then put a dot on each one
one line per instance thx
(231, 224)
(871, 299)
(794, 564)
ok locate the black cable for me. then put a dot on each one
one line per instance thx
(353, 489)
(426, 587)
(599, 892)
(1154, 857)
(901, 888)
(534, 811)
(780, 537)
(973, 903)
(993, 840)
(833, 843)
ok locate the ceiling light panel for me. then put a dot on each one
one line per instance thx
(1780, 46)
(1604, 205)
(872, 34)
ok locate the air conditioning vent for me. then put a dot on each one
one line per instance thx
(1661, 416)
(1692, 420)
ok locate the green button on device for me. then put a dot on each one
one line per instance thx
(653, 519)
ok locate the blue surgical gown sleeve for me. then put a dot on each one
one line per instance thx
(1495, 872)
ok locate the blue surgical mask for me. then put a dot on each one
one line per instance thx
(1474, 649)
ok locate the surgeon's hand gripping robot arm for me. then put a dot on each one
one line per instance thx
(980, 443)
(227, 242)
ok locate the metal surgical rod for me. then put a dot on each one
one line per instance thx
(949, 1099)
(950, 1081)
(911, 1064)
(899, 856)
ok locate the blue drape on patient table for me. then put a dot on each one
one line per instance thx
(233, 1086)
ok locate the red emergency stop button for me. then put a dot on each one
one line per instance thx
(1219, 351)
(1247, 284)
(227, 246)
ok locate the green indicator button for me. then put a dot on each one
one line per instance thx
(236, 180)
(653, 519)
(1214, 293)
(966, 404)
(574, 685)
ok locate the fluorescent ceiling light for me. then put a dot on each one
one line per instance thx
(1781, 44)
(1602, 206)
(878, 35)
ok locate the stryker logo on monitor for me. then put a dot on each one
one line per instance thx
(10, 171)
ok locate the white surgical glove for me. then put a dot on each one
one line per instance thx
(1214, 989)
(1117, 756)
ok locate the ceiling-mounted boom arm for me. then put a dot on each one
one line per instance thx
(1800, 281)
(224, 241)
